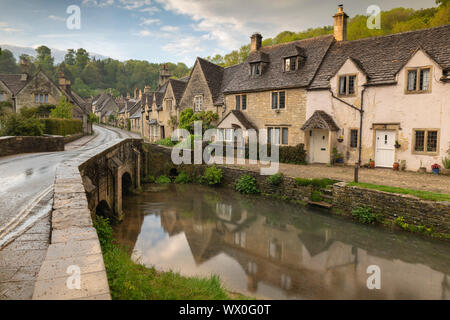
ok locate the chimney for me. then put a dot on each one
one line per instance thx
(164, 75)
(63, 83)
(340, 24)
(256, 41)
(25, 69)
(147, 89)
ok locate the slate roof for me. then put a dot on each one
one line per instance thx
(178, 88)
(273, 76)
(14, 82)
(137, 114)
(381, 58)
(320, 120)
(241, 118)
(213, 74)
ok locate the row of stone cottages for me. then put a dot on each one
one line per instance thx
(26, 90)
(316, 91)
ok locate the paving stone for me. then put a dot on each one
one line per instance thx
(16, 290)
(92, 284)
(66, 218)
(15, 258)
(6, 274)
(26, 274)
(74, 234)
(52, 269)
(73, 249)
(20, 245)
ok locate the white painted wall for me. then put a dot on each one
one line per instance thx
(390, 104)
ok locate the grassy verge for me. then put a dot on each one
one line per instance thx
(132, 281)
(426, 195)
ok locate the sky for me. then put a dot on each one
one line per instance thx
(168, 30)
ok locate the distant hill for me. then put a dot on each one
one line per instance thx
(56, 53)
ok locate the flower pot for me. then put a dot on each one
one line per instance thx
(339, 160)
(372, 164)
(395, 166)
(436, 170)
(340, 140)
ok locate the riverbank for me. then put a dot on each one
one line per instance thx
(129, 280)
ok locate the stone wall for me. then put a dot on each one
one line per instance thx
(17, 145)
(391, 205)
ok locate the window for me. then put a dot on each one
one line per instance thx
(241, 102)
(290, 64)
(418, 80)
(278, 100)
(277, 135)
(198, 103)
(255, 69)
(46, 98)
(2, 98)
(40, 98)
(169, 104)
(353, 138)
(347, 85)
(426, 140)
(36, 98)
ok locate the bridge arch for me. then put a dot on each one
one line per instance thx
(104, 210)
(127, 183)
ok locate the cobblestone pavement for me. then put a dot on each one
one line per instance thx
(388, 177)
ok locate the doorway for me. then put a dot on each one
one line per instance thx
(385, 148)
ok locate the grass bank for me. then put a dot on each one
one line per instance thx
(129, 280)
(426, 195)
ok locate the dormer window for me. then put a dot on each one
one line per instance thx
(290, 64)
(255, 69)
(347, 85)
(418, 80)
(40, 98)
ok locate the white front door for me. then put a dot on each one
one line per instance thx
(319, 146)
(385, 148)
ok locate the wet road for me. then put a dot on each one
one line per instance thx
(27, 179)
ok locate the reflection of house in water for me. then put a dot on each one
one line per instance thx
(303, 263)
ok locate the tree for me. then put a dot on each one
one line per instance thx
(69, 58)
(81, 59)
(8, 62)
(24, 123)
(63, 109)
(44, 60)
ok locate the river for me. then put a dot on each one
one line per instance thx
(272, 249)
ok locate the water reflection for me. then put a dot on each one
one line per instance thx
(275, 250)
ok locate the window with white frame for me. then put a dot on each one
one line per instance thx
(418, 80)
(198, 103)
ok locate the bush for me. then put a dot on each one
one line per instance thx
(166, 142)
(44, 110)
(17, 124)
(182, 178)
(287, 154)
(163, 180)
(275, 179)
(104, 231)
(62, 127)
(364, 215)
(149, 179)
(212, 176)
(93, 118)
(63, 110)
(246, 185)
(316, 196)
(303, 182)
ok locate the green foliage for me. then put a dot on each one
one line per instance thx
(93, 118)
(446, 163)
(316, 183)
(365, 215)
(287, 154)
(212, 176)
(44, 110)
(316, 196)
(62, 127)
(21, 124)
(426, 195)
(63, 109)
(5, 108)
(163, 180)
(166, 142)
(275, 179)
(188, 117)
(401, 222)
(246, 184)
(182, 178)
(303, 182)
(128, 124)
(104, 231)
(149, 179)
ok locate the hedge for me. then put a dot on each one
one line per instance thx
(62, 127)
(288, 154)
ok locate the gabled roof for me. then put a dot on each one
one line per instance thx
(241, 118)
(178, 88)
(320, 120)
(273, 76)
(14, 82)
(213, 75)
(383, 57)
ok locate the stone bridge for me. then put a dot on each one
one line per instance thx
(90, 184)
(110, 174)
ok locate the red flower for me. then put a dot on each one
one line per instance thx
(435, 166)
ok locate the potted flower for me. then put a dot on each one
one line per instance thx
(397, 145)
(372, 164)
(436, 168)
(340, 138)
(396, 166)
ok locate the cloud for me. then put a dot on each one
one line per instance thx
(149, 21)
(97, 3)
(134, 4)
(5, 27)
(56, 18)
(184, 46)
(170, 29)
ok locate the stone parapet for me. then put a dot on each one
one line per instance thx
(16, 145)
